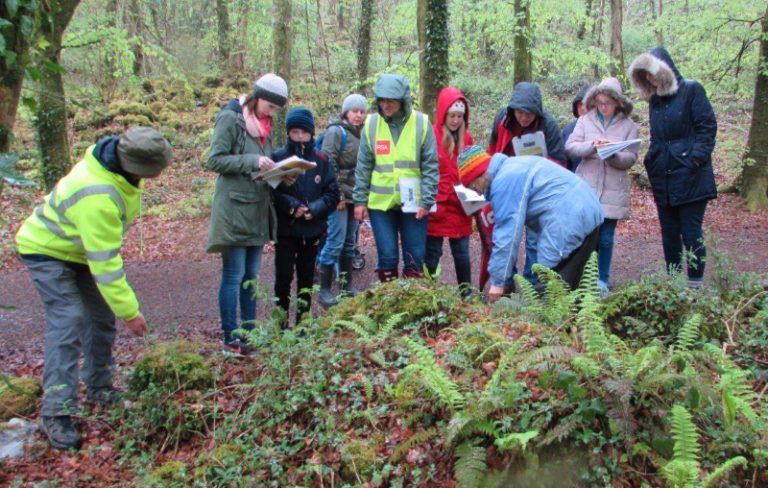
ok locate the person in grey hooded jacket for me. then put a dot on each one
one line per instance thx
(397, 145)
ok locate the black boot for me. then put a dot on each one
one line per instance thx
(346, 276)
(464, 280)
(326, 296)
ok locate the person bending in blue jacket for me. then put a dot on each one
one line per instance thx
(530, 191)
(302, 212)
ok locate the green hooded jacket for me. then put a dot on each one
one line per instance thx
(243, 212)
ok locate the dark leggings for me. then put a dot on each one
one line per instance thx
(295, 253)
(682, 226)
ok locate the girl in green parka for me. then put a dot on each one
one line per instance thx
(243, 215)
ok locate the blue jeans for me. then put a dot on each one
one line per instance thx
(460, 252)
(605, 249)
(387, 226)
(681, 226)
(342, 236)
(239, 265)
(531, 255)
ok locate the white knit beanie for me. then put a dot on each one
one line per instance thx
(354, 100)
(458, 107)
(272, 88)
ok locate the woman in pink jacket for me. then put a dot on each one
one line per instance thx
(606, 121)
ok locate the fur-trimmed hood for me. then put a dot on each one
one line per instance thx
(612, 88)
(659, 63)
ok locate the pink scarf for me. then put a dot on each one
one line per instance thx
(257, 127)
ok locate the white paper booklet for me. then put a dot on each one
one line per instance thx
(288, 166)
(530, 145)
(605, 151)
(410, 194)
(471, 201)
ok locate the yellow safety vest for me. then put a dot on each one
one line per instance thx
(83, 220)
(394, 161)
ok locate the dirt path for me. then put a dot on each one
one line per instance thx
(177, 282)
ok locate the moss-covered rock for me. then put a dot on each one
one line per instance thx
(130, 108)
(170, 474)
(359, 456)
(225, 461)
(171, 366)
(132, 120)
(19, 396)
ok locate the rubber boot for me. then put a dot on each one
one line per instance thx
(386, 274)
(345, 276)
(326, 296)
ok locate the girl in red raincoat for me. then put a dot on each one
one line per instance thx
(452, 134)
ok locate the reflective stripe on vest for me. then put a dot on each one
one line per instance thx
(393, 161)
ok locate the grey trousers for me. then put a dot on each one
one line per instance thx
(76, 319)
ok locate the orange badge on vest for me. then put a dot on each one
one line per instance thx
(383, 147)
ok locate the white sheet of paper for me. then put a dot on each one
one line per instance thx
(471, 201)
(530, 145)
(605, 151)
(410, 194)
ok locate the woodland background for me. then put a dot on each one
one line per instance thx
(407, 384)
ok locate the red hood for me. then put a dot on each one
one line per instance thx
(445, 99)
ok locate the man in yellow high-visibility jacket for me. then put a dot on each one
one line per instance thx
(396, 177)
(71, 246)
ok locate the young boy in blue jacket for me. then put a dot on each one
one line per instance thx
(302, 212)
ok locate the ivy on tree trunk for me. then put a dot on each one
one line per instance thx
(434, 43)
(522, 41)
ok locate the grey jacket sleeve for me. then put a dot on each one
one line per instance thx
(366, 160)
(220, 155)
(554, 140)
(430, 170)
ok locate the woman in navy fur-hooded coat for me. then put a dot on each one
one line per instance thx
(679, 159)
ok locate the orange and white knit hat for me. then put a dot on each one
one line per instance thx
(473, 162)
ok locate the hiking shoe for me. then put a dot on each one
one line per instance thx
(60, 432)
(237, 347)
(106, 396)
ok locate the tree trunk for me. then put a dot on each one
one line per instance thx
(364, 40)
(617, 49)
(522, 41)
(51, 113)
(754, 174)
(282, 40)
(657, 32)
(240, 45)
(582, 31)
(434, 42)
(597, 33)
(12, 65)
(223, 29)
(136, 31)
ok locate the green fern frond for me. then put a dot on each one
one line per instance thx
(485, 427)
(433, 376)
(405, 446)
(681, 474)
(515, 441)
(361, 325)
(586, 366)
(722, 471)
(684, 433)
(546, 355)
(561, 431)
(688, 333)
(532, 303)
(368, 386)
(504, 361)
(470, 465)
(588, 284)
(590, 326)
(387, 329)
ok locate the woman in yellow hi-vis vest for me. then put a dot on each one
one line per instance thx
(396, 177)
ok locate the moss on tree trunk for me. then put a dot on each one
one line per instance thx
(755, 166)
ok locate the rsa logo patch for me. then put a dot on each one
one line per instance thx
(383, 147)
